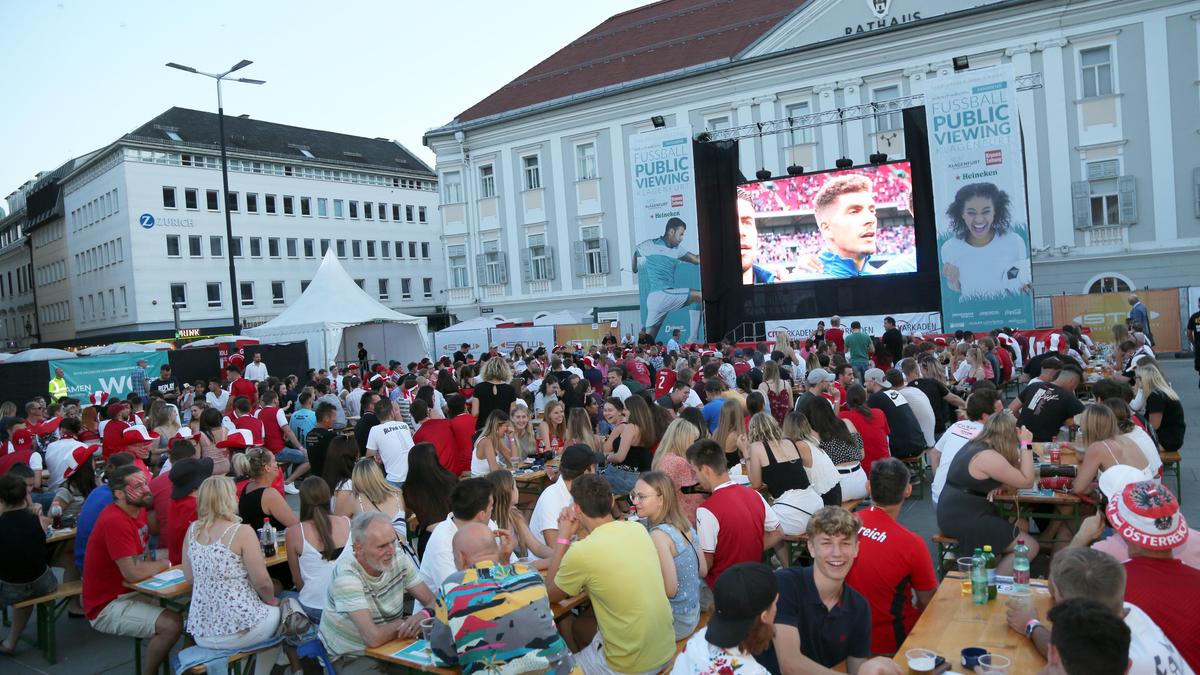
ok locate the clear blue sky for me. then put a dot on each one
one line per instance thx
(79, 73)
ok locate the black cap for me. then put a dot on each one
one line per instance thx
(741, 593)
(188, 474)
(577, 457)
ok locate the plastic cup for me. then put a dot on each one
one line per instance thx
(1022, 599)
(920, 661)
(964, 568)
(426, 634)
(994, 663)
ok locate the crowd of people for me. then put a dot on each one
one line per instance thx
(891, 185)
(777, 246)
(678, 481)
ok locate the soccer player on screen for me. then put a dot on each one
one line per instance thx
(845, 212)
(748, 242)
(657, 259)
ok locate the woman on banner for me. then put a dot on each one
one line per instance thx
(985, 257)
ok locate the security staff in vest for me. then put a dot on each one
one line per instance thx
(58, 386)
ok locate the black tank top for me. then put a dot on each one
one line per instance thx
(783, 476)
(251, 511)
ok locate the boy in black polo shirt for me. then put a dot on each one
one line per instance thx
(821, 621)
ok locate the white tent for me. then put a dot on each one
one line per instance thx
(220, 340)
(560, 317)
(473, 332)
(333, 314)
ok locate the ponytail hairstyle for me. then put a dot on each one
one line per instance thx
(314, 507)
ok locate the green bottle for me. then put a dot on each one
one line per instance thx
(991, 571)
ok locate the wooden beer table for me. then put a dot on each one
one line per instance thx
(952, 622)
(1068, 506)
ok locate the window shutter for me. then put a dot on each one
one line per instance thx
(503, 268)
(526, 265)
(1196, 188)
(579, 258)
(1127, 199)
(481, 270)
(550, 270)
(603, 256)
(1081, 195)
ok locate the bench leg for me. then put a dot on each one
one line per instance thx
(137, 656)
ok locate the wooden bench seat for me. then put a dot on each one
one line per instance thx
(1170, 462)
(49, 608)
(238, 664)
(944, 546)
(918, 465)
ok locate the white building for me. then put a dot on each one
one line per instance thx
(142, 226)
(17, 309)
(534, 184)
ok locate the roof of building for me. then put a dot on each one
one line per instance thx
(659, 38)
(196, 127)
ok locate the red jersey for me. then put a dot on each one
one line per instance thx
(160, 488)
(463, 427)
(638, 371)
(115, 535)
(841, 394)
(891, 562)
(182, 515)
(874, 433)
(112, 441)
(440, 433)
(272, 431)
(1006, 363)
(664, 379)
(836, 337)
(243, 387)
(1168, 592)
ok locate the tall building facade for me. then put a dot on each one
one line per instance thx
(140, 228)
(536, 193)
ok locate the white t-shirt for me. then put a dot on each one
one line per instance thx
(540, 401)
(256, 372)
(622, 392)
(707, 526)
(391, 440)
(438, 561)
(948, 445)
(218, 402)
(1002, 264)
(922, 409)
(693, 399)
(353, 402)
(1150, 652)
(549, 505)
(58, 458)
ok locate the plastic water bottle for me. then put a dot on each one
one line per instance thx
(991, 571)
(979, 584)
(1021, 566)
(266, 538)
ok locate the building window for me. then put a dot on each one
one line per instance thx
(887, 121)
(492, 270)
(288, 205)
(324, 247)
(371, 249)
(427, 287)
(396, 212)
(272, 247)
(592, 252)
(190, 198)
(368, 211)
(585, 161)
(1096, 64)
(231, 200)
(247, 293)
(383, 289)
(356, 248)
(385, 249)
(276, 292)
(309, 248)
(252, 202)
(196, 246)
(1105, 211)
(173, 246)
(408, 214)
(422, 214)
(341, 248)
(338, 206)
(717, 123)
(271, 210)
(293, 248)
(235, 247)
(362, 283)
(425, 250)
(255, 247)
(210, 200)
(487, 181)
(406, 289)
(1109, 285)
(794, 112)
(400, 250)
(452, 192)
(353, 209)
(412, 250)
(531, 168)
(178, 296)
(382, 211)
(538, 259)
(322, 207)
(215, 247)
(168, 197)
(305, 206)
(304, 285)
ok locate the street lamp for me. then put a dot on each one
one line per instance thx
(234, 295)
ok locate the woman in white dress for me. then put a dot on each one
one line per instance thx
(986, 256)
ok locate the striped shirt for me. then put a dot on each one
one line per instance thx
(352, 589)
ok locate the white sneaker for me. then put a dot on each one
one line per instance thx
(291, 489)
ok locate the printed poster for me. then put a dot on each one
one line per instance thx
(111, 373)
(979, 199)
(667, 244)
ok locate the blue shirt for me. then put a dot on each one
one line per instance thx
(712, 412)
(96, 502)
(302, 422)
(658, 262)
(762, 275)
(839, 267)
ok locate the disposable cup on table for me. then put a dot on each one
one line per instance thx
(964, 568)
(426, 635)
(921, 661)
(994, 664)
(1022, 599)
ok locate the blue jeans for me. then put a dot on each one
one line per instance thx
(291, 456)
(860, 372)
(620, 480)
(45, 499)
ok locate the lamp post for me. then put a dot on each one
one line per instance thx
(234, 295)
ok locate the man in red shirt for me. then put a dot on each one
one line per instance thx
(116, 553)
(462, 423)
(434, 429)
(835, 335)
(1146, 515)
(160, 490)
(118, 422)
(637, 369)
(240, 386)
(892, 561)
(664, 378)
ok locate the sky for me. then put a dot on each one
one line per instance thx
(80, 73)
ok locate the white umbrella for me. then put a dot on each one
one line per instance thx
(4, 356)
(42, 354)
(212, 342)
(156, 346)
(88, 351)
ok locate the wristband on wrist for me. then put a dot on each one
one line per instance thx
(563, 541)
(1031, 626)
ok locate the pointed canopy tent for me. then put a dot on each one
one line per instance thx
(333, 314)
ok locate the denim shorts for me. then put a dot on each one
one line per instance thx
(291, 456)
(11, 594)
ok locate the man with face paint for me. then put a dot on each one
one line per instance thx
(984, 257)
(657, 259)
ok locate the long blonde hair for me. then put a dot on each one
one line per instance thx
(770, 372)
(678, 437)
(731, 421)
(502, 488)
(369, 481)
(216, 500)
(524, 440)
(579, 428)
(797, 429)
(496, 371)
(1000, 434)
(1150, 380)
(672, 511)
(763, 429)
(559, 431)
(1097, 423)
